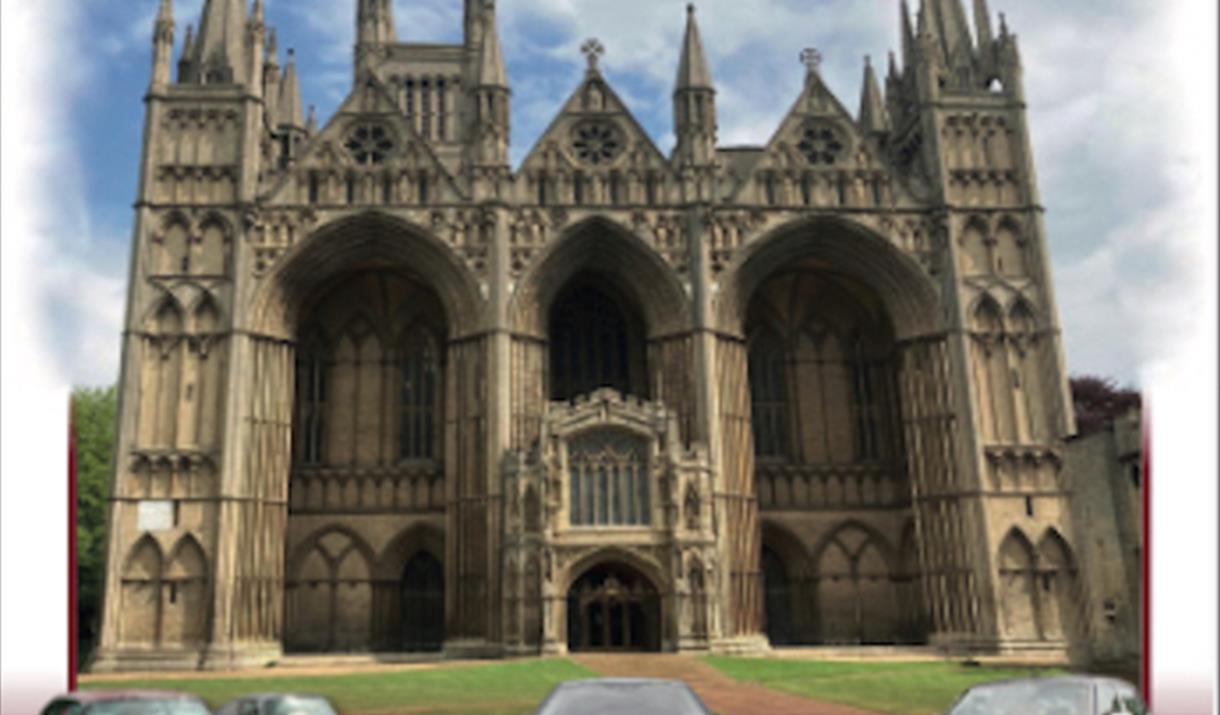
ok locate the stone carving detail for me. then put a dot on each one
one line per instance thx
(468, 232)
(597, 142)
(821, 144)
(668, 234)
(272, 233)
(729, 231)
(529, 230)
(369, 144)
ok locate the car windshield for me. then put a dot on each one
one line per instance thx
(301, 706)
(624, 698)
(1031, 698)
(147, 707)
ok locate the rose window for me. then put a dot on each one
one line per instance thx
(369, 144)
(597, 142)
(820, 145)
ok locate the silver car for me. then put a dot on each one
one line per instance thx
(126, 702)
(278, 704)
(1052, 696)
(622, 696)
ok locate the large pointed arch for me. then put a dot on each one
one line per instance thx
(368, 239)
(600, 245)
(841, 245)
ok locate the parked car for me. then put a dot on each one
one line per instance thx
(622, 696)
(1075, 695)
(126, 702)
(278, 704)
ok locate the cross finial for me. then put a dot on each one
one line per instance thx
(593, 50)
(812, 59)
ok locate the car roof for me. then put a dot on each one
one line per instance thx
(102, 696)
(606, 695)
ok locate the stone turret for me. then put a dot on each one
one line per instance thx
(873, 117)
(694, 108)
(219, 51)
(163, 43)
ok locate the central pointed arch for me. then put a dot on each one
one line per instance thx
(602, 246)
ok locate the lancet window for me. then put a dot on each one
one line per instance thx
(593, 345)
(769, 392)
(420, 371)
(608, 480)
(311, 371)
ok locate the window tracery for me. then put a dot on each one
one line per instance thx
(369, 144)
(608, 473)
(769, 393)
(821, 144)
(417, 438)
(597, 142)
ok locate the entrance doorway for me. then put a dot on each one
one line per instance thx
(778, 597)
(423, 604)
(613, 608)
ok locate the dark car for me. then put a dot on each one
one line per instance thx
(622, 696)
(1051, 696)
(278, 704)
(126, 702)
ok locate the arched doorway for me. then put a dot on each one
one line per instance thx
(422, 592)
(613, 607)
(778, 597)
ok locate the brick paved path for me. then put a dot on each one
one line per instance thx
(721, 694)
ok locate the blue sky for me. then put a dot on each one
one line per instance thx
(1108, 85)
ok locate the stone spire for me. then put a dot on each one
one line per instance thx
(290, 113)
(188, 51)
(488, 157)
(692, 67)
(928, 23)
(873, 117)
(163, 43)
(982, 21)
(694, 115)
(271, 77)
(908, 34)
(220, 48)
(256, 46)
(955, 30)
(473, 22)
(492, 72)
(374, 30)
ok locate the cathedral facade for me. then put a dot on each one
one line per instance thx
(384, 392)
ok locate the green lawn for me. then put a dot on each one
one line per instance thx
(892, 688)
(513, 688)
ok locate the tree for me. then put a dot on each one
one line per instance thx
(1099, 401)
(95, 416)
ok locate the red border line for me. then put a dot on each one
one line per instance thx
(73, 625)
(1146, 553)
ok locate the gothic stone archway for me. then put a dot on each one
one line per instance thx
(613, 607)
